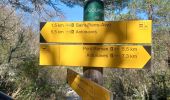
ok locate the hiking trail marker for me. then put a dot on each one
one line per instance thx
(73, 53)
(95, 43)
(87, 89)
(94, 55)
(138, 31)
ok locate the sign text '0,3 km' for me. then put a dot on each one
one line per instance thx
(97, 32)
(87, 89)
(94, 55)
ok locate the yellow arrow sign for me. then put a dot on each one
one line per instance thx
(94, 55)
(138, 31)
(87, 89)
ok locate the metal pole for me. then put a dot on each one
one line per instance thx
(94, 11)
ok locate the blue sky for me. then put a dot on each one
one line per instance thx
(76, 13)
(72, 14)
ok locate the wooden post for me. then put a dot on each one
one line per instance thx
(94, 11)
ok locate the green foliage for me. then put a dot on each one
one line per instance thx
(152, 83)
(20, 74)
(22, 78)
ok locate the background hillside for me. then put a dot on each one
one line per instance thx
(22, 78)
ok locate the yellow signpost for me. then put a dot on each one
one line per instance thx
(87, 89)
(116, 56)
(136, 31)
(110, 50)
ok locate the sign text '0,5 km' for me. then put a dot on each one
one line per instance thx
(97, 32)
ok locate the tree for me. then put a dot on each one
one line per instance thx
(13, 43)
(140, 85)
(23, 78)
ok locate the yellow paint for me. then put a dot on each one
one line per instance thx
(87, 89)
(94, 56)
(138, 31)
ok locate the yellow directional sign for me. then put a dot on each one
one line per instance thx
(138, 31)
(87, 89)
(94, 55)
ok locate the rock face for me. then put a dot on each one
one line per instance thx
(73, 98)
(72, 95)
